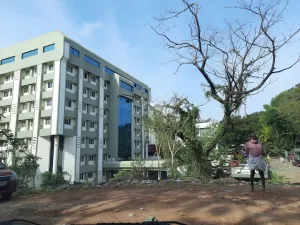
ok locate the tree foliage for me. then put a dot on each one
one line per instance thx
(235, 62)
(174, 124)
(15, 154)
(240, 128)
(281, 121)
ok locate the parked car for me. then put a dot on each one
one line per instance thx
(8, 182)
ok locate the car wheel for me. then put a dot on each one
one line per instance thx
(6, 196)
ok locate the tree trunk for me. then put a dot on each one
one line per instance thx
(172, 165)
(158, 162)
(221, 130)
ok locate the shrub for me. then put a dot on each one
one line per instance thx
(53, 180)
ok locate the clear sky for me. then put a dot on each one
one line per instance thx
(117, 30)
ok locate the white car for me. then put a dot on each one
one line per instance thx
(243, 171)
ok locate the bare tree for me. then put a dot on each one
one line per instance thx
(235, 62)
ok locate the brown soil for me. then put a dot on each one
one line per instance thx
(185, 202)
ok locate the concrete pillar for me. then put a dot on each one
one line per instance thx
(100, 131)
(15, 102)
(79, 122)
(36, 109)
(143, 132)
(55, 154)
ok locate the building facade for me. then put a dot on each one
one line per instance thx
(75, 111)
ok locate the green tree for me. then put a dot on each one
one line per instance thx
(281, 121)
(167, 126)
(240, 128)
(174, 124)
(15, 154)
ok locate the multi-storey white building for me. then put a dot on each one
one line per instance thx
(73, 108)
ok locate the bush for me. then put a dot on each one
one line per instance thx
(122, 175)
(137, 171)
(53, 180)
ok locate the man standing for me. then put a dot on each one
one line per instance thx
(255, 154)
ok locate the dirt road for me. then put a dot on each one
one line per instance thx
(185, 202)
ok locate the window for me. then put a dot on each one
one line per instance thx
(49, 84)
(6, 93)
(91, 61)
(92, 125)
(145, 90)
(30, 123)
(138, 86)
(8, 60)
(136, 144)
(5, 110)
(105, 127)
(49, 48)
(92, 158)
(27, 72)
(69, 85)
(86, 76)
(85, 106)
(104, 142)
(82, 157)
(137, 120)
(68, 103)
(34, 70)
(84, 91)
(83, 124)
(50, 67)
(93, 79)
(91, 141)
(105, 112)
(33, 88)
(47, 121)
(105, 98)
(70, 69)
(29, 54)
(92, 109)
(8, 78)
(81, 176)
(67, 121)
(24, 106)
(48, 102)
(82, 142)
(137, 132)
(109, 71)
(93, 94)
(90, 174)
(75, 52)
(23, 123)
(126, 86)
(137, 109)
(105, 84)
(25, 90)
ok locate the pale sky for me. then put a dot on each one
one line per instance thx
(117, 30)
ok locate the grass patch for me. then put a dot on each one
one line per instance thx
(277, 179)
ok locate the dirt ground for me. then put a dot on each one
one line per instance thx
(229, 203)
